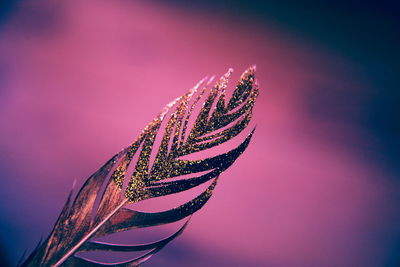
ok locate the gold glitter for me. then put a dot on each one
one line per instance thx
(212, 127)
(216, 123)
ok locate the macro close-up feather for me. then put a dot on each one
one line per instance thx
(182, 129)
(94, 171)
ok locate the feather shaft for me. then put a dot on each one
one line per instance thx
(217, 121)
(72, 251)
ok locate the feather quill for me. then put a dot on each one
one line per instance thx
(216, 122)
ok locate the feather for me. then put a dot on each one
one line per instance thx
(217, 121)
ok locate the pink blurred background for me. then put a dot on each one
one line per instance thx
(318, 185)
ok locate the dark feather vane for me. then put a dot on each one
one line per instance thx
(217, 121)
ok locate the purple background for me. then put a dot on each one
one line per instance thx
(318, 185)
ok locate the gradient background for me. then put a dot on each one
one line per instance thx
(318, 185)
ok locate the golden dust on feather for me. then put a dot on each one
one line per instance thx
(217, 121)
